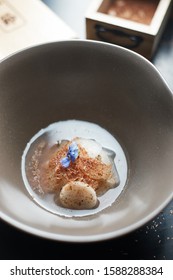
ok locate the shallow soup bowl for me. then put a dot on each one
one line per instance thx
(97, 83)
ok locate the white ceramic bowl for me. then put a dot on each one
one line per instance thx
(99, 83)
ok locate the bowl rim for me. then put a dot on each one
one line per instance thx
(85, 238)
(89, 41)
(97, 237)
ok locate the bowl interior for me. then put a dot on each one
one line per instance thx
(102, 84)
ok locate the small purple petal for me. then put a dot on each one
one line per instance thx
(72, 154)
(73, 151)
(65, 162)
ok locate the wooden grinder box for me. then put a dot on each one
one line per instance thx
(133, 24)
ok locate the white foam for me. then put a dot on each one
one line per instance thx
(68, 130)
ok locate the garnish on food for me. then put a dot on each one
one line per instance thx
(72, 154)
(78, 172)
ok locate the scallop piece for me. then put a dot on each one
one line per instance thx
(78, 195)
(92, 147)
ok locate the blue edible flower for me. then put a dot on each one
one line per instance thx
(72, 155)
(65, 162)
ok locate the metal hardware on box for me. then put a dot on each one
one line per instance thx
(135, 40)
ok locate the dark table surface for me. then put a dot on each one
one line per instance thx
(152, 241)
